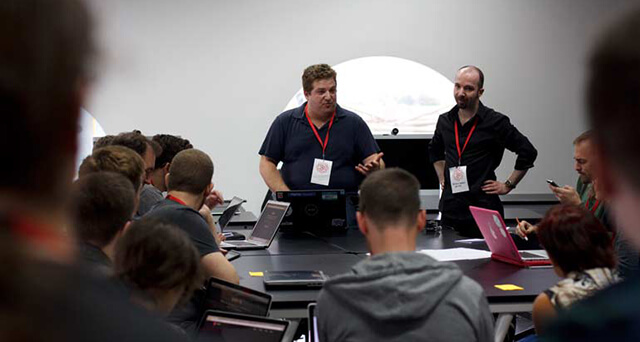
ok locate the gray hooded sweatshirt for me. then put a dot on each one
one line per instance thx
(404, 296)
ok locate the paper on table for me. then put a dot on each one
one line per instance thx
(452, 254)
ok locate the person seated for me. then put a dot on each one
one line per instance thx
(152, 192)
(189, 185)
(103, 204)
(159, 263)
(581, 252)
(398, 294)
(116, 159)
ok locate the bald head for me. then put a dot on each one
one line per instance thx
(472, 71)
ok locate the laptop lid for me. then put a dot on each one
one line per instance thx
(294, 278)
(313, 323)
(495, 233)
(228, 213)
(315, 209)
(267, 225)
(224, 296)
(226, 326)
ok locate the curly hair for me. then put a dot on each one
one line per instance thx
(171, 145)
(117, 159)
(314, 73)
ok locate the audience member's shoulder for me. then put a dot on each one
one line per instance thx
(611, 315)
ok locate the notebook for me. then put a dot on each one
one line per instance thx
(224, 296)
(217, 326)
(318, 210)
(500, 243)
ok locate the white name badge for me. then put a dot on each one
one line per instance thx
(321, 172)
(458, 177)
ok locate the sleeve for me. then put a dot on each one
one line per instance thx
(517, 143)
(485, 331)
(365, 141)
(436, 146)
(273, 144)
(200, 235)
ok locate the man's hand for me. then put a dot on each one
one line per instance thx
(525, 228)
(492, 187)
(372, 163)
(213, 199)
(566, 194)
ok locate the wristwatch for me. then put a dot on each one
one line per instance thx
(509, 184)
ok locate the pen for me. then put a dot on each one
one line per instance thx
(525, 237)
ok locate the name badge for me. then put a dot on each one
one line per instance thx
(458, 177)
(321, 172)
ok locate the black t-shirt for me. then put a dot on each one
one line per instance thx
(292, 141)
(190, 221)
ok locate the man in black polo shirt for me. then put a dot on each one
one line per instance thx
(189, 184)
(321, 145)
(466, 149)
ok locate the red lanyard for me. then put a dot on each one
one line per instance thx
(313, 127)
(475, 123)
(175, 199)
(594, 208)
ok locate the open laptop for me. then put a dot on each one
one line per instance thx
(226, 326)
(224, 296)
(500, 242)
(228, 212)
(264, 230)
(313, 323)
(318, 210)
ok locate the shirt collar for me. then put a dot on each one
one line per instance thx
(481, 113)
(298, 113)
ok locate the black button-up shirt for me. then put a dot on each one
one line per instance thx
(482, 156)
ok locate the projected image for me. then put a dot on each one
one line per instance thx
(90, 128)
(391, 92)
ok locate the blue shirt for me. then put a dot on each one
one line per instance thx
(292, 141)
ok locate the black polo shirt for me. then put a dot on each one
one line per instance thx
(190, 221)
(292, 141)
(482, 156)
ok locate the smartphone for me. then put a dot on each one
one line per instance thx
(553, 183)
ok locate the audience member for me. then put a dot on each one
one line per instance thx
(581, 252)
(45, 69)
(189, 184)
(116, 159)
(103, 204)
(159, 263)
(146, 148)
(103, 141)
(398, 294)
(614, 112)
(152, 193)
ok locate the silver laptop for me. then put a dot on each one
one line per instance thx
(265, 229)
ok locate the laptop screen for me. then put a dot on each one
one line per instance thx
(225, 296)
(226, 216)
(218, 326)
(269, 220)
(313, 323)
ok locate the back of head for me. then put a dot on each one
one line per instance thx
(575, 239)
(314, 73)
(102, 203)
(613, 101)
(46, 49)
(390, 197)
(117, 159)
(133, 140)
(157, 256)
(103, 142)
(191, 171)
(171, 145)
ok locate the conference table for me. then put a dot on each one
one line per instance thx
(336, 254)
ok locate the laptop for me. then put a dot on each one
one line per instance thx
(294, 278)
(264, 230)
(228, 212)
(501, 243)
(313, 323)
(226, 326)
(224, 296)
(318, 210)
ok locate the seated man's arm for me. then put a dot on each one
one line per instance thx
(271, 175)
(216, 265)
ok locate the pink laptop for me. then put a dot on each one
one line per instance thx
(500, 242)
